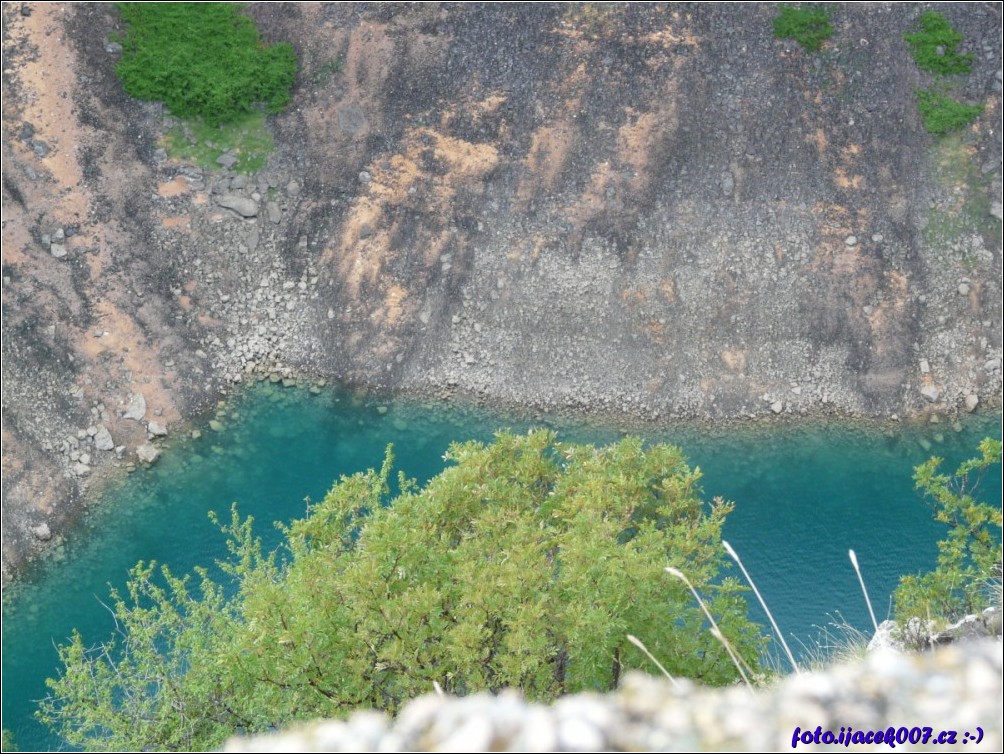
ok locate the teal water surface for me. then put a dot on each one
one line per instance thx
(804, 496)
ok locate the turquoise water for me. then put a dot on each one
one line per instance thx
(804, 496)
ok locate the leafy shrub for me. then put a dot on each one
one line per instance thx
(942, 114)
(524, 564)
(969, 558)
(934, 45)
(203, 60)
(8, 741)
(810, 27)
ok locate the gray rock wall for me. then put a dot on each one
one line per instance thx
(647, 211)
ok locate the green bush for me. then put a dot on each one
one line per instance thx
(203, 60)
(969, 558)
(524, 564)
(934, 46)
(810, 27)
(942, 114)
(8, 741)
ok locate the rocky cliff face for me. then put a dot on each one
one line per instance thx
(659, 211)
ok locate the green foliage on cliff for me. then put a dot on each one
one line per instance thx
(969, 558)
(942, 114)
(933, 46)
(808, 26)
(204, 60)
(526, 563)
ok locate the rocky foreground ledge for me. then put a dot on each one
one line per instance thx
(954, 689)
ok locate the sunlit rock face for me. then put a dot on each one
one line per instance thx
(659, 211)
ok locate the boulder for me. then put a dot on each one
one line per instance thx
(887, 638)
(240, 204)
(136, 409)
(103, 439)
(147, 453)
(985, 625)
(896, 638)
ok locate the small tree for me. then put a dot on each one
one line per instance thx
(969, 558)
(524, 564)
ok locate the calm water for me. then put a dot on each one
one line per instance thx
(803, 498)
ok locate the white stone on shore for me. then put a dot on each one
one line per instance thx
(147, 453)
(103, 439)
(136, 409)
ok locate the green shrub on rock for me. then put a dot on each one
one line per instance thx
(942, 114)
(934, 44)
(810, 27)
(526, 563)
(203, 60)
